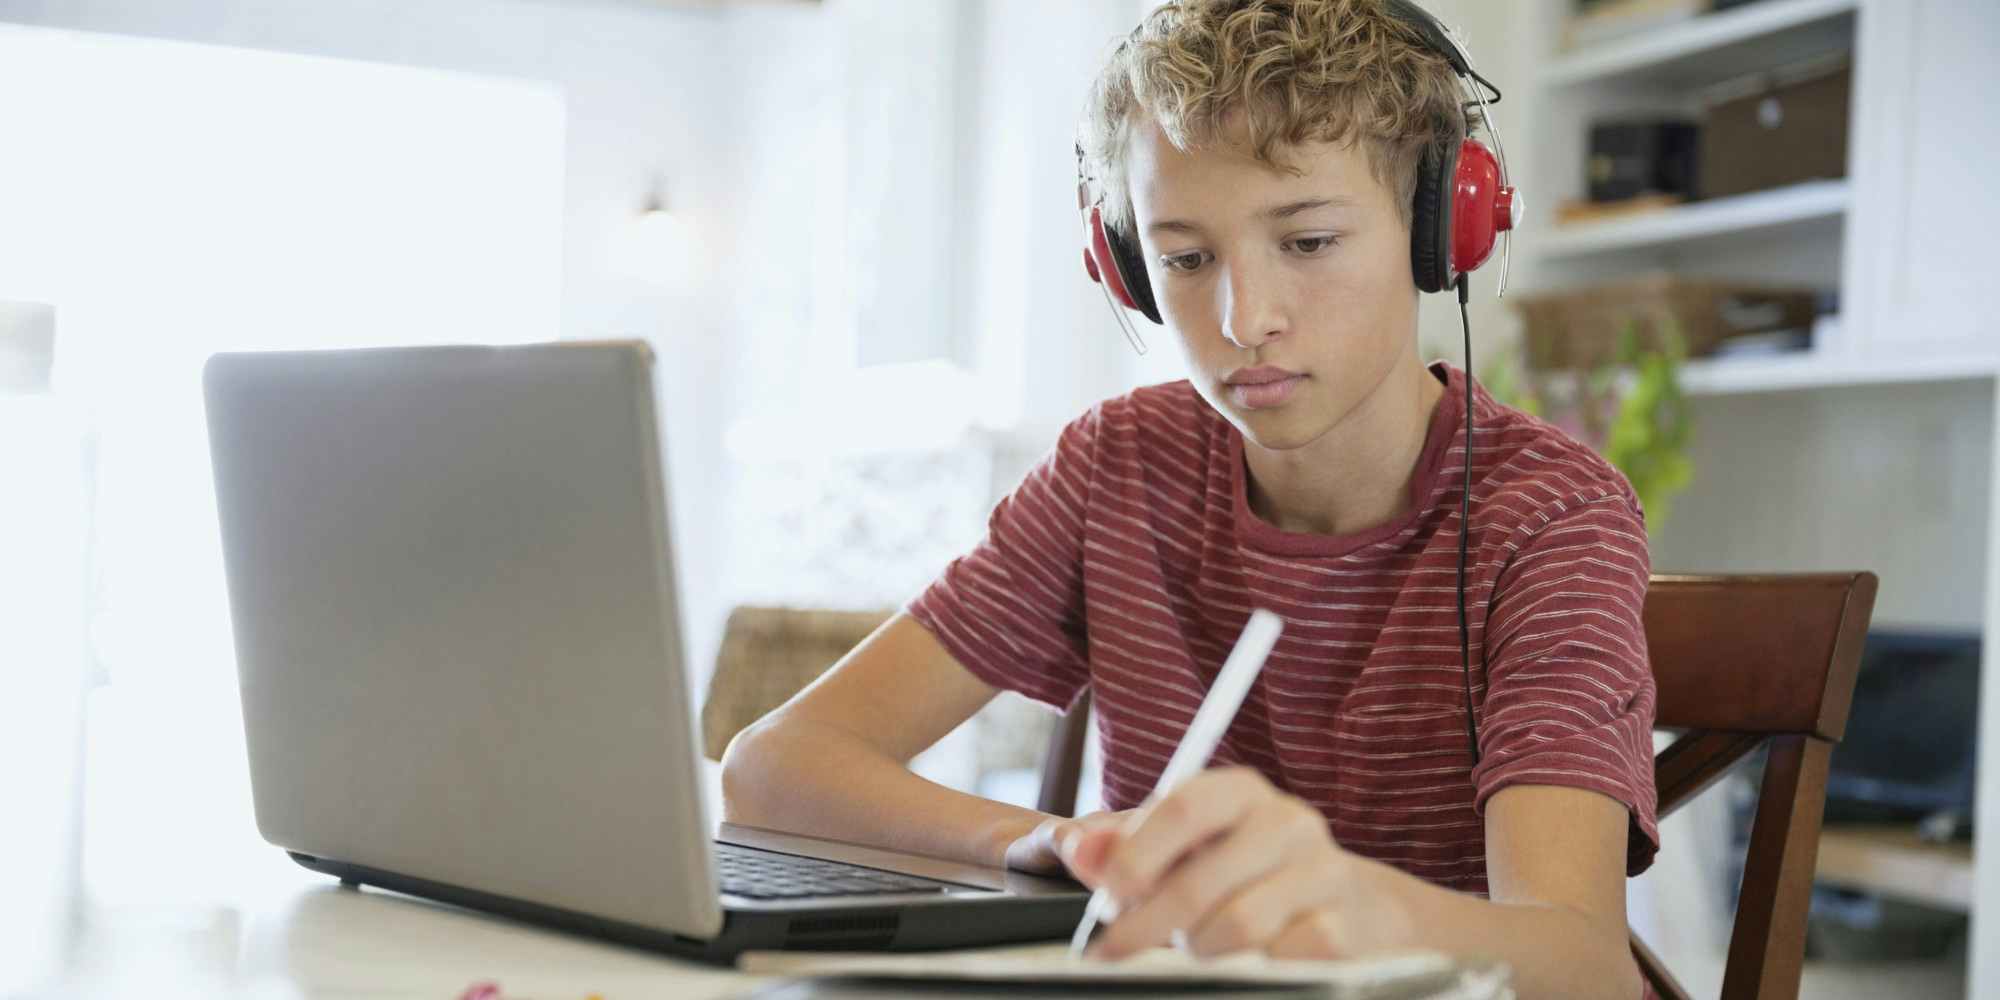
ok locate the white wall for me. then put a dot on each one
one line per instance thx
(172, 200)
(1888, 478)
(738, 109)
(650, 91)
(1047, 344)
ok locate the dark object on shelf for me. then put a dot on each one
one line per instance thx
(1848, 926)
(1579, 329)
(1947, 826)
(1631, 158)
(1910, 741)
(1776, 129)
(1726, 4)
(1765, 345)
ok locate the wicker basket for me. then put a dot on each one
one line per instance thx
(770, 654)
(1579, 330)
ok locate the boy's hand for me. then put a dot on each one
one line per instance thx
(1230, 863)
(1040, 850)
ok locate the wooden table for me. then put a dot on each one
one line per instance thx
(314, 939)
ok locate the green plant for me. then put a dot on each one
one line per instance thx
(1649, 435)
(1630, 408)
(1503, 381)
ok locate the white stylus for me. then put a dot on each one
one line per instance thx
(1198, 745)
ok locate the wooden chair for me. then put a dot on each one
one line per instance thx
(768, 655)
(1740, 661)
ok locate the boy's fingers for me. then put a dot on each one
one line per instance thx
(1208, 804)
(1037, 852)
(1084, 851)
(1240, 857)
(1255, 915)
(1068, 833)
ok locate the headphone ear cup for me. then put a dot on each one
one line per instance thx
(1430, 220)
(1132, 269)
(1100, 259)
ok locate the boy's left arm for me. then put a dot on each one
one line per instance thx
(1236, 864)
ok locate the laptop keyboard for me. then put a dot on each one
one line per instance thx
(755, 874)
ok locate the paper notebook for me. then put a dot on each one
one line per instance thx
(1407, 976)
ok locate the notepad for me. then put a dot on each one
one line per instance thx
(1406, 976)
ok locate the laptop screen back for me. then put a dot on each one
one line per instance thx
(452, 591)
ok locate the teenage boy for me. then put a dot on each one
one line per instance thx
(1262, 156)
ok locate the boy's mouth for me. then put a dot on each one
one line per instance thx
(1261, 387)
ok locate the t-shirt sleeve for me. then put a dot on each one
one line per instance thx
(1570, 698)
(1011, 609)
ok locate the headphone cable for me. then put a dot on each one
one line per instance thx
(1464, 530)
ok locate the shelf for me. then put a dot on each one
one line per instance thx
(1812, 202)
(1711, 48)
(1892, 861)
(1809, 370)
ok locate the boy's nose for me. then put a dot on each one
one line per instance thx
(1249, 314)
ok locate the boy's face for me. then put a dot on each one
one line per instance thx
(1292, 294)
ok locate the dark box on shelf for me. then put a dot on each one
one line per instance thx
(1630, 158)
(1912, 734)
(1776, 130)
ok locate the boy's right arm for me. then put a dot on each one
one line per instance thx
(833, 761)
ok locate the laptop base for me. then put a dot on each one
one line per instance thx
(861, 926)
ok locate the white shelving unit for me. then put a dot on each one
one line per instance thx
(1806, 370)
(1715, 47)
(1799, 205)
(1872, 448)
(1805, 224)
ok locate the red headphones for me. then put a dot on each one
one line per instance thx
(1462, 203)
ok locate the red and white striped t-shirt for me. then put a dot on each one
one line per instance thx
(1128, 560)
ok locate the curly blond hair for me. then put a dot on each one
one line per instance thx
(1292, 71)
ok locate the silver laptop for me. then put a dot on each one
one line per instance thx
(452, 587)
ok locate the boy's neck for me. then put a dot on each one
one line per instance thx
(1356, 476)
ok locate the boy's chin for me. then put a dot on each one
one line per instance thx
(1297, 423)
(1280, 429)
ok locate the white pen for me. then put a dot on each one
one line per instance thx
(1198, 744)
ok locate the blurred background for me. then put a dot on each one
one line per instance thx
(1749, 273)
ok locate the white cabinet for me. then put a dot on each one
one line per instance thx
(1876, 448)
(1926, 210)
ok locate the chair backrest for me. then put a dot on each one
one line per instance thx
(768, 655)
(1740, 661)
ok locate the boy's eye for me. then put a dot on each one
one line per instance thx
(1184, 261)
(1310, 245)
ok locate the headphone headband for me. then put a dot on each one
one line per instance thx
(1433, 32)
